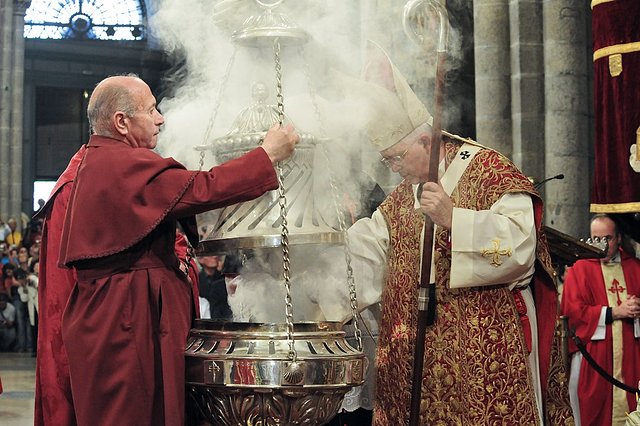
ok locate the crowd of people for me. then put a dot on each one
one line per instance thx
(19, 257)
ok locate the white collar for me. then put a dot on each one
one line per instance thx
(616, 258)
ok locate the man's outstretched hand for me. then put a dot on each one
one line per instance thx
(280, 142)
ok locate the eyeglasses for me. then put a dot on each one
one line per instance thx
(394, 160)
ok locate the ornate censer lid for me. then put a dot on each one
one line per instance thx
(261, 30)
(257, 223)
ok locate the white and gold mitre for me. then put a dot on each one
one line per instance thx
(395, 109)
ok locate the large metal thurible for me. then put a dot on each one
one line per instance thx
(270, 374)
(241, 373)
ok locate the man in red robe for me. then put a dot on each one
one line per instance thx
(54, 404)
(601, 298)
(129, 307)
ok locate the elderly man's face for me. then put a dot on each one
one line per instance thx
(410, 158)
(144, 126)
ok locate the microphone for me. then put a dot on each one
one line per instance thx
(543, 181)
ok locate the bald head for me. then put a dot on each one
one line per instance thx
(113, 94)
(124, 108)
(603, 226)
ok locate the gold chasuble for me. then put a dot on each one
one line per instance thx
(476, 369)
(616, 65)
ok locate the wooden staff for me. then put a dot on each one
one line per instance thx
(427, 292)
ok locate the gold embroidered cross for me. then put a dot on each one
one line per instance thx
(495, 253)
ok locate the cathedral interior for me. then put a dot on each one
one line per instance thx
(519, 79)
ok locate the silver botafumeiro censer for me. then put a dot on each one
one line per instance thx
(270, 373)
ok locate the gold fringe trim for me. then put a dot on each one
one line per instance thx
(632, 207)
(594, 3)
(616, 48)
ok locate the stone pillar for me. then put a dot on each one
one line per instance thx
(567, 129)
(527, 86)
(6, 38)
(17, 108)
(493, 69)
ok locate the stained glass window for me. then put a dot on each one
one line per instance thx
(86, 19)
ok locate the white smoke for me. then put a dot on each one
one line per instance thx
(214, 84)
(319, 287)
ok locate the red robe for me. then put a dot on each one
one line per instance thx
(129, 313)
(583, 297)
(53, 402)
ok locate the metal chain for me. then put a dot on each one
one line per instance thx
(201, 162)
(351, 282)
(279, 95)
(335, 191)
(282, 200)
(223, 84)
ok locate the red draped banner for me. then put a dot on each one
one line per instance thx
(616, 61)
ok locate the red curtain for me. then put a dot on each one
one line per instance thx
(616, 48)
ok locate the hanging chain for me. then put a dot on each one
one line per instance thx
(223, 84)
(279, 95)
(351, 282)
(282, 200)
(340, 213)
(201, 162)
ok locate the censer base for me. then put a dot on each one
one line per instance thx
(243, 373)
(266, 407)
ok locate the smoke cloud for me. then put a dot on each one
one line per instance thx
(212, 83)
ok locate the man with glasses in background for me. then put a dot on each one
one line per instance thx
(601, 298)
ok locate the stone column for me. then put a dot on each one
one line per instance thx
(17, 108)
(493, 69)
(527, 86)
(6, 38)
(567, 129)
